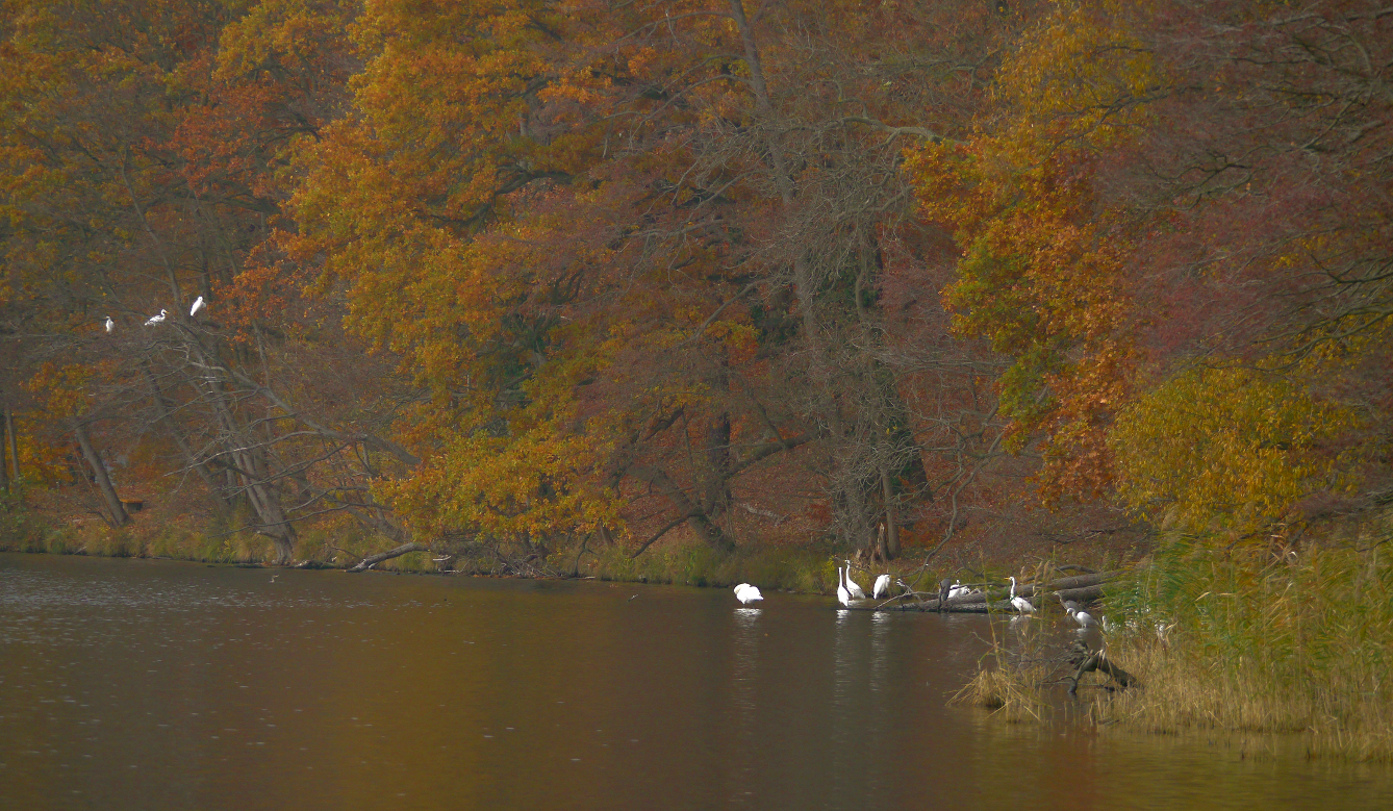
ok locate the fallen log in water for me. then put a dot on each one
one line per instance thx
(1091, 660)
(1082, 588)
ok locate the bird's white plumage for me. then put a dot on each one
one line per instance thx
(155, 319)
(110, 325)
(843, 596)
(857, 593)
(1021, 604)
(198, 304)
(747, 594)
(882, 586)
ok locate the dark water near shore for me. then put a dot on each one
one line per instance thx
(158, 685)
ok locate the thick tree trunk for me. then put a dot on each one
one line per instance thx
(709, 532)
(118, 516)
(892, 524)
(220, 503)
(4, 466)
(250, 463)
(14, 444)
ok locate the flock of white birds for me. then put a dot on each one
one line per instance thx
(848, 592)
(157, 319)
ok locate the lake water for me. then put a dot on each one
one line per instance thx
(133, 684)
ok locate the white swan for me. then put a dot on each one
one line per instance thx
(882, 586)
(1021, 604)
(747, 594)
(857, 593)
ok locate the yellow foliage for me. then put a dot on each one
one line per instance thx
(1230, 449)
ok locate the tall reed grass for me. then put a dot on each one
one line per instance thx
(1249, 641)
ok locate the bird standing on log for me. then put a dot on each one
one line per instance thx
(1021, 604)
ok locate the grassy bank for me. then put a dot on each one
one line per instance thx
(1295, 643)
(795, 569)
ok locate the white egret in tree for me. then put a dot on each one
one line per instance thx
(198, 304)
(1021, 604)
(155, 319)
(882, 586)
(747, 594)
(843, 596)
(110, 325)
(857, 593)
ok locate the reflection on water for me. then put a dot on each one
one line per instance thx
(157, 685)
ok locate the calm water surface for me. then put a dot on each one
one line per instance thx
(128, 684)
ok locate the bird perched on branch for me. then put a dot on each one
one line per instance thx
(110, 325)
(155, 319)
(198, 304)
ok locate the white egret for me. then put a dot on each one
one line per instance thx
(1021, 604)
(1083, 618)
(198, 304)
(155, 319)
(882, 586)
(958, 590)
(843, 596)
(110, 325)
(747, 594)
(857, 593)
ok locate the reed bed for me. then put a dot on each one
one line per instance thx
(1252, 641)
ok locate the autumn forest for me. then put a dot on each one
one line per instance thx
(538, 281)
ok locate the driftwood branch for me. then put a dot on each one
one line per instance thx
(1096, 660)
(372, 560)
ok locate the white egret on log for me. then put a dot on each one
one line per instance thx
(747, 594)
(857, 593)
(198, 304)
(1021, 604)
(881, 587)
(155, 319)
(843, 596)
